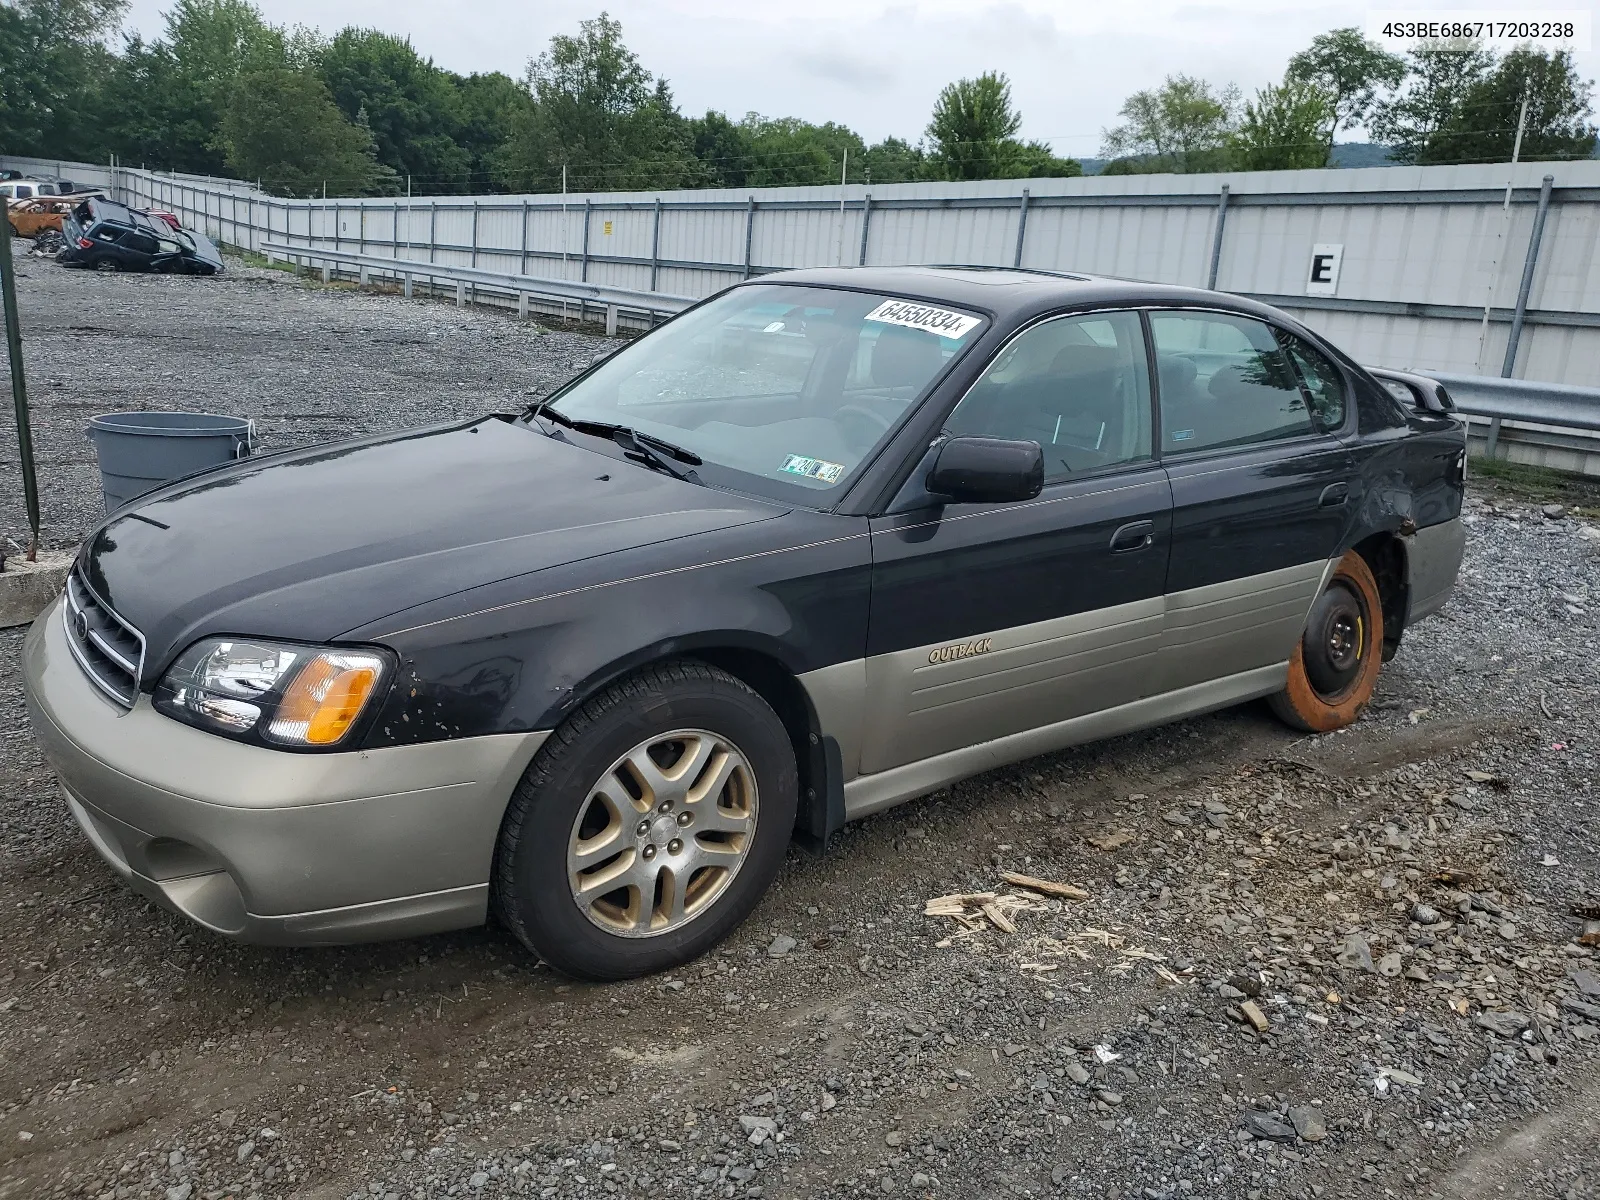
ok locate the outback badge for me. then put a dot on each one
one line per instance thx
(946, 654)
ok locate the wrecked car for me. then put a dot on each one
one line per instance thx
(826, 542)
(30, 218)
(108, 236)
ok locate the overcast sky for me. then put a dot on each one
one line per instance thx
(872, 65)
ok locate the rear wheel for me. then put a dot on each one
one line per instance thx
(1335, 664)
(105, 264)
(649, 825)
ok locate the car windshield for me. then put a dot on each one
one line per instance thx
(778, 389)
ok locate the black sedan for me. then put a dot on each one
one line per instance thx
(822, 544)
(108, 236)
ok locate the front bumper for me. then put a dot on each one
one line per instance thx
(268, 846)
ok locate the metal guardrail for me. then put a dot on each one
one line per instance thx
(1556, 404)
(612, 299)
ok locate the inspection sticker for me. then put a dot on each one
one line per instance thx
(925, 317)
(813, 468)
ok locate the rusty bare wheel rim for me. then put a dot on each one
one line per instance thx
(662, 834)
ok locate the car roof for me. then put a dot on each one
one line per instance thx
(1009, 291)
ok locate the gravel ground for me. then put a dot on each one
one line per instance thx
(1351, 965)
(308, 363)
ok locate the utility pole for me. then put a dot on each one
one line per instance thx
(19, 390)
(1505, 221)
(844, 172)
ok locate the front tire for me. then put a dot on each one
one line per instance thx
(1335, 664)
(649, 825)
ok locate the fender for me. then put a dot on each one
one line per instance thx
(520, 655)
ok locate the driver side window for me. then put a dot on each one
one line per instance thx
(1079, 386)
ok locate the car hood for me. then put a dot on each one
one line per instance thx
(310, 544)
(205, 249)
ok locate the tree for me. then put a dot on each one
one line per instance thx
(1483, 125)
(722, 147)
(487, 107)
(282, 126)
(1181, 126)
(53, 62)
(595, 110)
(973, 128)
(1282, 129)
(892, 160)
(208, 44)
(1438, 77)
(1038, 160)
(1349, 71)
(411, 105)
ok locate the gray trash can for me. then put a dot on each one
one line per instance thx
(139, 451)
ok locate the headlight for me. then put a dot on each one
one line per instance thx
(278, 693)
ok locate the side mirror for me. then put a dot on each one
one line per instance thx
(987, 470)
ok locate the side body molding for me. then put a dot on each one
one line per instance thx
(908, 724)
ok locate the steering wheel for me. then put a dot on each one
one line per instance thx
(847, 414)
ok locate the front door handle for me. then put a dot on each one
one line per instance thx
(1135, 535)
(1334, 495)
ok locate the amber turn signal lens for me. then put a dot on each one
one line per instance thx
(325, 698)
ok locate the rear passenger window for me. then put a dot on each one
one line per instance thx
(1079, 386)
(1321, 378)
(1224, 381)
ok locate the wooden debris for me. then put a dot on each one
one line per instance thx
(1065, 890)
(1589, 912)
(1252, 1013)
(999, 919)
(955, 905)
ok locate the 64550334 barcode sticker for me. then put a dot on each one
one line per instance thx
(926, 317)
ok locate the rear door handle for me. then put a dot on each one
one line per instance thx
(1135, 535)
(1334, 495)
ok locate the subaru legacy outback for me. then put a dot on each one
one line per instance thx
(826, 542)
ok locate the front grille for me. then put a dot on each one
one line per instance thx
(110, 651)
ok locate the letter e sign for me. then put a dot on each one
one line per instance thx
(1323, 279)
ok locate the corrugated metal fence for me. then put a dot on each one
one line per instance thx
(1395, 264)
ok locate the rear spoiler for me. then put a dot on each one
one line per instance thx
(1416, 391)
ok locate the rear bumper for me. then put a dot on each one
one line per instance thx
(1433, 560)
(266, 846)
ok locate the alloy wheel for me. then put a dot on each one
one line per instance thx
(662, 834)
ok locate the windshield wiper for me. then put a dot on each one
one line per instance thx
(640, 447)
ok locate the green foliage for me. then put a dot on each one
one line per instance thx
(282, 126)
(1483, 125)
(1438, 78)
(221, 88)
(1350, 72)
(972, 128)
(1182, 126)
(1036, 160)
(208, 44)
(52, 60)
(599, 112)
(487, 106)
(1283, 129)
(892, 160)
(412, 106)
(973, 136)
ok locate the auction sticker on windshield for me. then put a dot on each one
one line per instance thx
(925, 317)
(813, 468)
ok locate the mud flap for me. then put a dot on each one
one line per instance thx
(822, 806)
